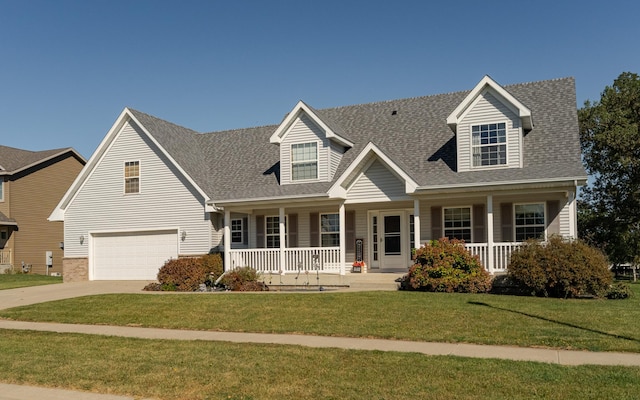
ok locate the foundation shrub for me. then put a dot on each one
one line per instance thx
(560, 268)
(182, 274)
(213, 265)
(446, 266)
(243, 279)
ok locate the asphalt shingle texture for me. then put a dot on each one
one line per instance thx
(242, 164)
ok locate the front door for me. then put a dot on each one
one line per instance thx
(392, 255)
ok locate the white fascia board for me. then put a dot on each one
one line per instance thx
(300, 108)
(264, 201)
(507, 185)
(58, 212)
(338, 191)
(523, 112)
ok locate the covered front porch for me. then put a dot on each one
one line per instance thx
(494, 257)
(331, 237)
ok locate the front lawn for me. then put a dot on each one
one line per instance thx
(12, 281)
(196, 370)
(596, 325)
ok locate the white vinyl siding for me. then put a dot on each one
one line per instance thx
(335, 156)
(377, 183)
(304, 130)
(100, 205)
(489, 110)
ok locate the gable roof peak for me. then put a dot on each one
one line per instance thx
(330, 129)
(488, 84)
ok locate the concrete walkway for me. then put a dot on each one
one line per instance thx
(31, 295)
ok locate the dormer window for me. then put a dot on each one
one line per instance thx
(489, 143)
(304, 161)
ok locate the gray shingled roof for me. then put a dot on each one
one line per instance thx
(4, 220)
(242, 164)
(12, 159)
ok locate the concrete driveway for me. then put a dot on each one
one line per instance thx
(39, 294)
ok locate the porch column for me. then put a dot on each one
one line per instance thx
(283, 236)
(343, 239)
(416, 223)
(573, 223)
(490, 233)
(227, 240)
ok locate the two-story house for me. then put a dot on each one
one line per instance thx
(31, 184)
(493, 166)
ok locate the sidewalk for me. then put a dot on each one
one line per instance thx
(31, 295)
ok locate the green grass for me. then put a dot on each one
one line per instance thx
(202, 370)
(12, 281)
(596, 325)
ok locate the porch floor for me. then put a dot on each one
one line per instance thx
(352, 281)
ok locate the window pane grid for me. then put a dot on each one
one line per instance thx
(330, 230)
(132, 176)
(529, 221)
(304, 161)
(236, 231)
(457, 223)
(489, 144)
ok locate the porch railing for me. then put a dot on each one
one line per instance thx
(322, 259)
(5, 257)
(501, 254)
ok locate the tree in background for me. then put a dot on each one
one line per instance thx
(609, 211)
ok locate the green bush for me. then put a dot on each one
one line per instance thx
(446, 266)
(182, 274)
(560, 268)
(619, 291)
(243, 279)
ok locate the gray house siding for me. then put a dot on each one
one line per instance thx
(102, 206)
(377, 183)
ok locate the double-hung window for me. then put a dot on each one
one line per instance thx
(132, 177)
(457, 223)
(304, 161)
(272, 231)
(237, 231)
(330, 230)
(489, 144)
(530, 221)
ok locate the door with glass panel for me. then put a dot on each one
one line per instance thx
(390, 241)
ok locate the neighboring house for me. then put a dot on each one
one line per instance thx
(493, 166)
(31, 184)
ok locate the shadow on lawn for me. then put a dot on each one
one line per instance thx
(478, 303)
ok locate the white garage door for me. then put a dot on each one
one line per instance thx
(132, 255)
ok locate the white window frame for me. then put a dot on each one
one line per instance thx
(276, 233)
(480, 146)
(329, 233)
(301, 162)
(240, 231)
(1, 189)
(515, 220)
(132, 177)
(470, 227)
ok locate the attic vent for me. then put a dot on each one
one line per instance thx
(394, 112)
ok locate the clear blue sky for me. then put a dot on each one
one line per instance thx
(68, 68)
